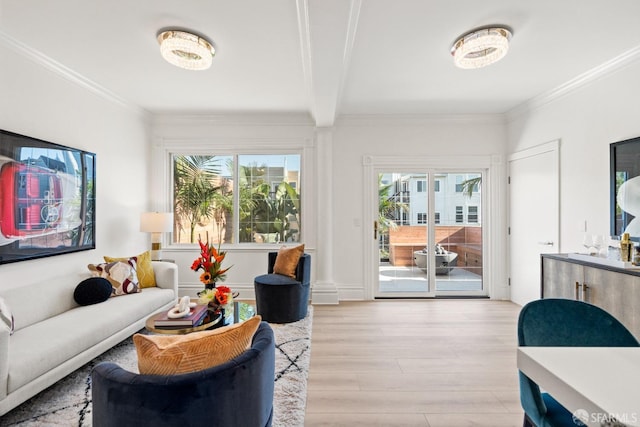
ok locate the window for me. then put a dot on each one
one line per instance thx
(472, 214)
(459, 214)
(436, 186)
(437, 220)
(422, 218)
(459, 185)
(422, 186)
(237, 198)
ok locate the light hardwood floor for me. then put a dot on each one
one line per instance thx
(427, 363)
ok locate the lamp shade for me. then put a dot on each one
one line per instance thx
(156, 222)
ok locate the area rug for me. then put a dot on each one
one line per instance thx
(68, 402)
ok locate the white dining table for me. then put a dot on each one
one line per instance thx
(595, 383)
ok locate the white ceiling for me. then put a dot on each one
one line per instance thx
(326, 58)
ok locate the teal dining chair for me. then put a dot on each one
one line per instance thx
(556, 322)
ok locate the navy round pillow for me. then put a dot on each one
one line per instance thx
(92, 291)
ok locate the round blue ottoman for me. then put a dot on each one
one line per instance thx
(280, 299)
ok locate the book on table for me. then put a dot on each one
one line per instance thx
(194, 318)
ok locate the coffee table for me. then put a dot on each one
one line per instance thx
(238, 312)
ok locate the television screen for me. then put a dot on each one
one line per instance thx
(625, 188)
(47, 198)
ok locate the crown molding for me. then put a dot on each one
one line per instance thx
(417, 119)
(220, 119)
(68, 74)
(575, 84)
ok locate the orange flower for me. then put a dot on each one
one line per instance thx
(205, 277)
(223, 298)
(210, 260)
(217, 297)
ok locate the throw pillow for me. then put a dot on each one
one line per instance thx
(121, 274)
(6, 316)
(180, 354)
(92, 291)
(287, 261)
(144, 268)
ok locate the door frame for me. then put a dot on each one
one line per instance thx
(494, 225)
(552, 147)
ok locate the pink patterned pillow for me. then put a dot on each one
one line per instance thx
(121, 274)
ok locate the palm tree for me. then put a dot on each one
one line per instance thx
(388, 207)
(194, 178)
(470, 185)
(266, 211)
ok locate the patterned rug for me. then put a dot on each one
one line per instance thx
(68, 402)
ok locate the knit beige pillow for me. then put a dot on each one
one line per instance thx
(287, 261)
(180, 354)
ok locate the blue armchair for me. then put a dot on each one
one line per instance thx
(282, 299)
(238, 393)
(562, 323)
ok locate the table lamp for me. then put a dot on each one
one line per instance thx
(156, 223)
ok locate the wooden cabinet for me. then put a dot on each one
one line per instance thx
(616, 290)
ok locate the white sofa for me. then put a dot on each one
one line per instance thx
(54, 336)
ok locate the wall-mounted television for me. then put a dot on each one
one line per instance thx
(625, 188)
(47, 198)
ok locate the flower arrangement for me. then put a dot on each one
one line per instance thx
(216, 298)
(210, 261)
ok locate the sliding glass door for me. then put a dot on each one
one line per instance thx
(429, 233)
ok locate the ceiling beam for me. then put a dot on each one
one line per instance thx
(327, 31)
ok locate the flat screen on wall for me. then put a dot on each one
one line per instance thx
(47, 198)
(625, 188)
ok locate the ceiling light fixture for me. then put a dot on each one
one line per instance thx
(481, 47)
(186, 50)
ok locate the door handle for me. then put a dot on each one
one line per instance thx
(577, 291)
(375, 230)
(546, 243)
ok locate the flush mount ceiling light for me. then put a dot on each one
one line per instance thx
(186, 50)
(482, 47)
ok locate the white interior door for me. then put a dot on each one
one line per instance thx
(534, 208)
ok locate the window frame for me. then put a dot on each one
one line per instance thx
(170, 152)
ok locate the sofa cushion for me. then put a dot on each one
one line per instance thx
(144, 269)
(287, 260)
(6, 316)
(179, 354)
(121, 274)
(92, 291)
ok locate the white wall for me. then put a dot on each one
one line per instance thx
(37, 102)
(586, 121)
(207, 134)
(408, 137)
(350, 140)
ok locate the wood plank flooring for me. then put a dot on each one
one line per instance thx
(427, 363)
